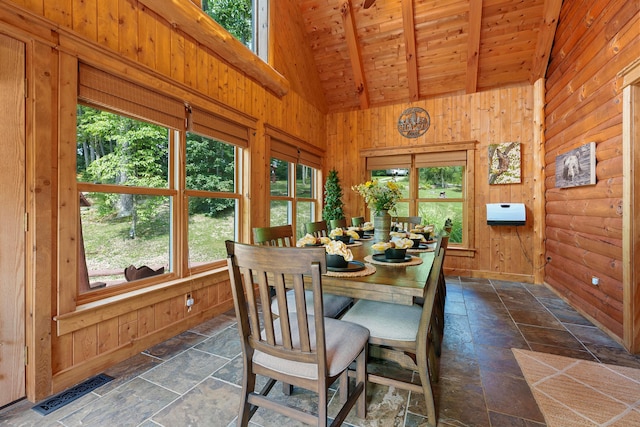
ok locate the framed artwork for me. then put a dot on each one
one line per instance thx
(504, 163)
(576, 167)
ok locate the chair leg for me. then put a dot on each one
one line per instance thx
(344, 386)
(428, 396)
(361, 378)
(248, 386)
(322, 406)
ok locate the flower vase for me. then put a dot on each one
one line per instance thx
(382, 226)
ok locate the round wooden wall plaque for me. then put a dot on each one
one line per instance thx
(413, 122)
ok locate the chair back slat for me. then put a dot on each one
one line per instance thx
(281, 235)
(430, 295)
(317, 228)
(338, 223)
(289, 334)
(357, 221)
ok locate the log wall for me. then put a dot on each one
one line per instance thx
(488, 117)
(125, 37)
(594, 41)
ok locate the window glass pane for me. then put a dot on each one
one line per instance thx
(113, 149)
(304, 181)
(441, 182)
(120, 230)
(235, 16)
(402, 209)
(211, 222)
(210, 164)
(401, 176)
(436, 213)
(279, 177)
(304, 213)
(280, 212)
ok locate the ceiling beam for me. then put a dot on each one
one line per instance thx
(351, 36)
(544, 43)
(473, 45)
(410, 46)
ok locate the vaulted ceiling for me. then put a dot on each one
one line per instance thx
(406, 50)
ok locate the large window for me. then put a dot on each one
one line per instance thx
(158, 184)
(246, 20)
(435, 186)
(294, 182)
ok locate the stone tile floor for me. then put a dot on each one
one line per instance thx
(193, 379)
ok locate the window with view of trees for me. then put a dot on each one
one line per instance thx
(124, 185)
(293, 195)
(246, 20)
(434, 187)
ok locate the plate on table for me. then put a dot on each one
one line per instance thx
(382, 258)
(353, 266)
(423, 246)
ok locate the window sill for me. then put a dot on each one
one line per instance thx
(461, 252)
(108, 308)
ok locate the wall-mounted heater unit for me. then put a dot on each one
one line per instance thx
(506, 214)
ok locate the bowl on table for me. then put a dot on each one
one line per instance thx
(344, 238)
(416, 243)
(336, 261)
(394, 253)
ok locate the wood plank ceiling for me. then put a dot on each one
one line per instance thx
(404, 50)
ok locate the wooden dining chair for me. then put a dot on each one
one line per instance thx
(338, 223)
(357, 221)
(296, 348)
(404, 333)
(406, 223)
(281, 235)
(317, 228)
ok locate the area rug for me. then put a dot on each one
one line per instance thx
(572, 392)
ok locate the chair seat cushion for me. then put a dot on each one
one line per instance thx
(344, 341)
(334, 305)
(386, 320)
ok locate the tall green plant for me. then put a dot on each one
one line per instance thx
(333, 205)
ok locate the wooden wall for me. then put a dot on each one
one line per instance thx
(124, 37)
(489, 117)
(594, 41)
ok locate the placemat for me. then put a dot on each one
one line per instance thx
(414, 261)
(368, 270)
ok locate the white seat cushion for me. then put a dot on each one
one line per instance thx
(333, 304)
(386, 320)
(344, 341)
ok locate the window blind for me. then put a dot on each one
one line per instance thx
(120, 96)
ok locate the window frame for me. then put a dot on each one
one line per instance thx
(392, 158)
(295, 151)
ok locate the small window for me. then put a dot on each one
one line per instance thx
(246, 20)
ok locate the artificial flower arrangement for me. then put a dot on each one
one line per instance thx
(311, 240)
(379, 196)
(336, 247)
(396, 244)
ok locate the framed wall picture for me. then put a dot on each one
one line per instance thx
(576, 167)
(504, 163)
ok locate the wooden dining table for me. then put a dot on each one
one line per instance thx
(390, 283)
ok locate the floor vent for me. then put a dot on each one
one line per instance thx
(68, 396)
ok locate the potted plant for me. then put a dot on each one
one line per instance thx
(333, 205)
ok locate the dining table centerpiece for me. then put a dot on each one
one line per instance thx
(381, 197)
